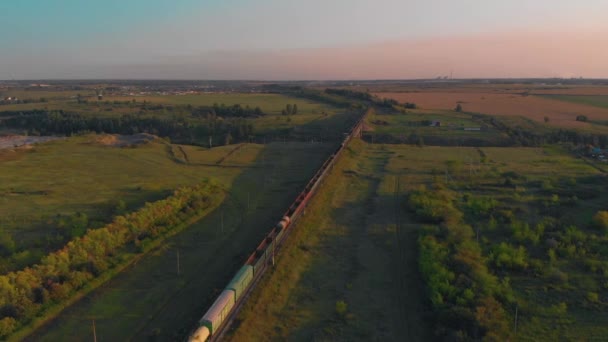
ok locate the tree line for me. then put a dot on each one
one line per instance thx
(367, 97)
(24, 101)
(41, 122)
(534, 138)
(26, 294)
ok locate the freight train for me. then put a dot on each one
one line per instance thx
(216, 316)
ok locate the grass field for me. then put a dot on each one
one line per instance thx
(560, 113)
(351, 248)
(80, 175)
(269, 103)
(542, 174)
(348, 271)
(150, 300)
(310, 119)
(600, 101)
(453, 127)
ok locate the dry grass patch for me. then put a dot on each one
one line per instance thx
(560, 113)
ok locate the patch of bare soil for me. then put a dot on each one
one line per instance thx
(116, 140)
(16, 141)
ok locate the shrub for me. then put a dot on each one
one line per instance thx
(593, 297)
(341, 308)
(507, 256)
(582, 118)
(600, 220)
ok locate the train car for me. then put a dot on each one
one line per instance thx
(241, 280)
(260, 261)
(218, 312)
(280, 233)
(200, 335)
(221, 308)
(284, 222)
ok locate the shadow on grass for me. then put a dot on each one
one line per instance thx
(364, 256)
(152, 299)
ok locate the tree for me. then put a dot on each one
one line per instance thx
(294, 109)
(458, 108)
(546, 119)
(289, 109)
(491, 318)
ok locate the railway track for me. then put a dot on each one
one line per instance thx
(218, 319)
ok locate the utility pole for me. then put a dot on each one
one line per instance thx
(94, 332)
(273, 250)
(516, 307)
(178, 270)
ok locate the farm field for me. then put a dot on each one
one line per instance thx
(560, 113)
(600, 101)
(270, 103)
(416, 127)
(54, 181)
(348, 271)
(403, 242)
(312, 120)
(552, 283)
(150, 300)
(558, 290)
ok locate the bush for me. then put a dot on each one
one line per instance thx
(507, 256)
(341, 308)
(593, 297)
(582, 118)
(433, 206)
(600, 220)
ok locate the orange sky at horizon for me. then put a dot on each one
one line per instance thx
(506, 55)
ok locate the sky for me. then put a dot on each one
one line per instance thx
(306, 39)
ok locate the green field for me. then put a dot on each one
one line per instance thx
(403, 242)
(352, 248)
(600, 101)
(348, 271)
(546, 186)
(149, 300)
(415, 127)
(269, 103)
(81, 175)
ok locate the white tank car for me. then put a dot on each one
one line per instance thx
(200, 335)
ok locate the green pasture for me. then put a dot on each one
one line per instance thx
(452, 125)
(600, 101)
(150, 300)
(544, 182)
(348, 271)
(81, 175)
